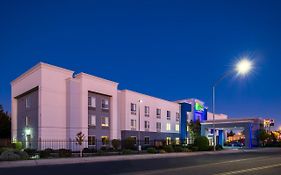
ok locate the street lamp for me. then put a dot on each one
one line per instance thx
(139, 133)
(243, 67)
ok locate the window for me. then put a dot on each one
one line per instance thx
(133, 124)
(105, 104)
(158, 113)
(177, 141)
(168, 115)
(91, 140)
(146, 140)
(146, 125)
(92, 102)
(133, 108)
(168, 127)
(27, 121)
(146, 111)
(135, 139)
(158, 126)
(168, 140)
(92, 120)
(177, 128)
(177, 117)
(105, 122)
(104, 140)
(27, 102)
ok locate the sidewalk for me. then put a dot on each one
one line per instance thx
(61, 161)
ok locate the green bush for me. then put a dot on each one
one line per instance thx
(116, 144)
(219, 147)
(46, 153)
(17, 145)
(202, 143)
(178, 148)
(151, 150)
(168, 148)
(161, 151)
(2, 149)
(129, 143)
(30, 152)
(194, 148)
(64, 153)
(10, 155)
(89, 150)
(127, 151)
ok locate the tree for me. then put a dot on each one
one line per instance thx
(80, 139)
(263, 136)
(5, 124)
(194, 129)
(202, 143)
(116, 143)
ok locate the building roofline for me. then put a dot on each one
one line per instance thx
(80, 75)
(127, 90)
(232, 120)
(38, 66)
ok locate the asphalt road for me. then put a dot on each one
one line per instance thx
(259, 162)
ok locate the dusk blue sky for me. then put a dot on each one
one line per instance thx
(168, 49)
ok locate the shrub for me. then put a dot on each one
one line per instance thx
(178, 149)
(89, 150)
(116, 144)
(17, 145)
(162, 151)
(10, 155)
(168, 148)
(64, 153)
(2, 149)
(127, 151)
(194, 148)
(129, 143)
(202, 143)
(219, 147)
(46, 153)
(30, 152)
(151, 150)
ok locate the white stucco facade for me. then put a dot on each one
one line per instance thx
(127, 97)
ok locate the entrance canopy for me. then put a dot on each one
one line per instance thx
(251, 126)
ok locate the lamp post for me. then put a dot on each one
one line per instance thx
(139, 132)
(243, 67)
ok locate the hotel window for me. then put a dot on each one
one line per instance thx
(133, 124)
(133, 108)
(168, 127)
(177, 141)
(27, 121)
(146, 111)
(105, 104)
(27, 102)
(158, 113)
(158, 126)
(177, 117)
(146, 140)
(135, 139)
(105, 122)
(92, 102)
(146, 125)
(168, 140)
(177, 128)
(92, 120)
(168, 115)
(91, 140)
(104, 140)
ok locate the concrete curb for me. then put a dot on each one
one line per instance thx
(61, 161)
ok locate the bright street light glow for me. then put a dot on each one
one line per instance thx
(244, 66)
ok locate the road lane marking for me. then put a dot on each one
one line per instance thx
(250, 169)
(194, 166)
